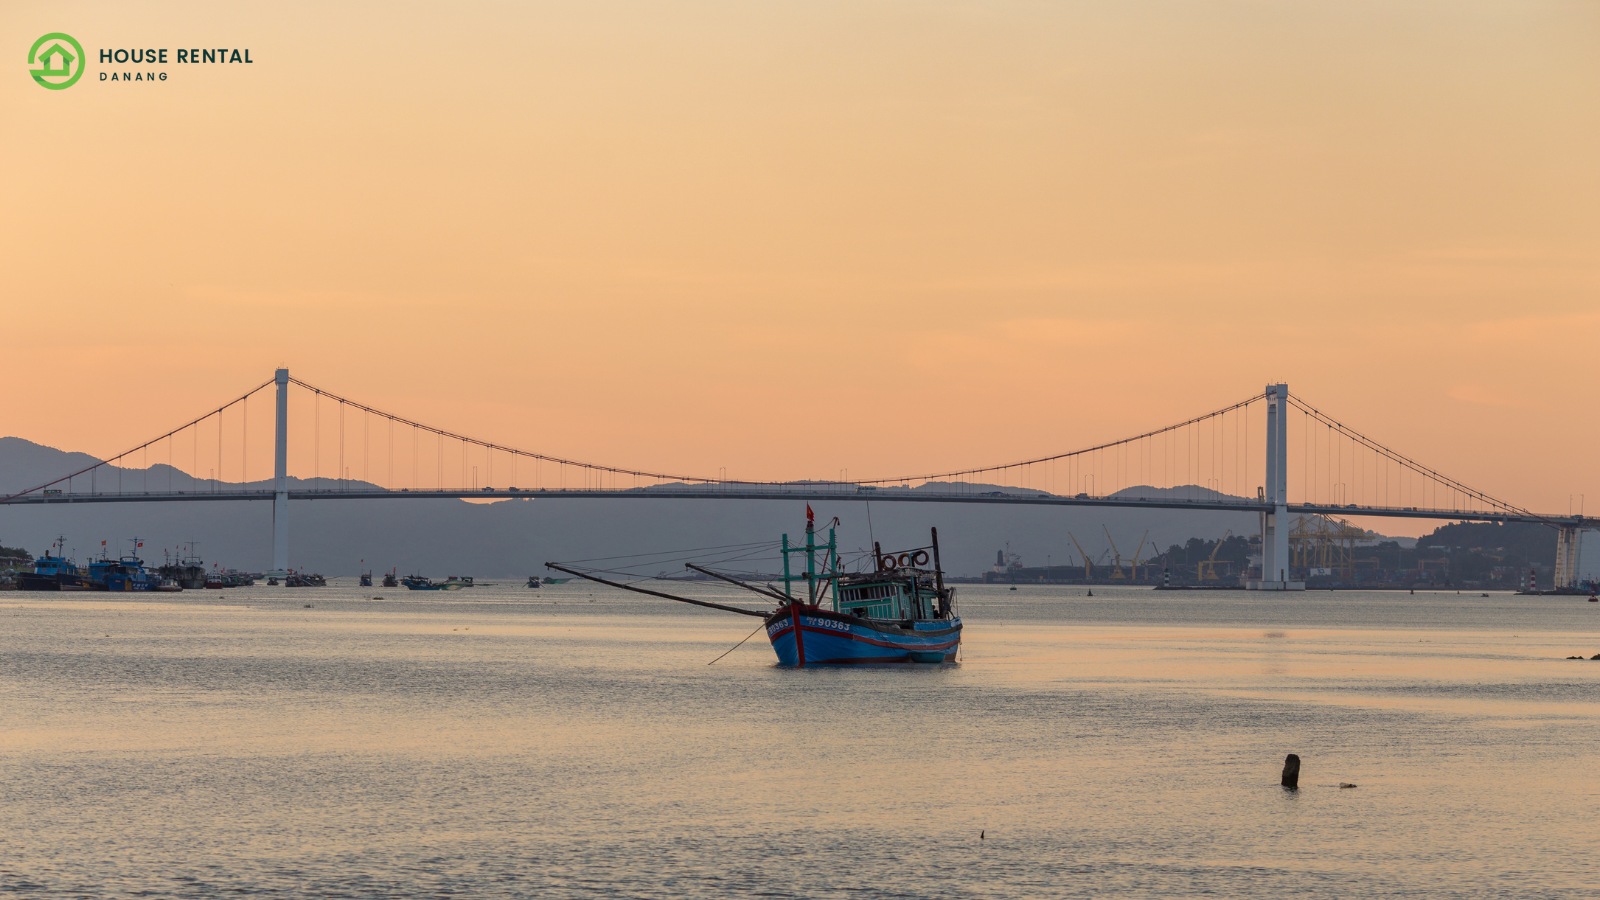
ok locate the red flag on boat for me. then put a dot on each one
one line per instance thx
(810, 516)
(138, 544)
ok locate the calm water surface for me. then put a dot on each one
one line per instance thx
(575, 743)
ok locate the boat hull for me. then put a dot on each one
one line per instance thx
(61, 581)
(823, 637)
(120, 583)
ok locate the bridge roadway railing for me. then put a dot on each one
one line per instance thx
(847, 493)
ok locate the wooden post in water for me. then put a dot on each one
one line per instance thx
(1291, 772)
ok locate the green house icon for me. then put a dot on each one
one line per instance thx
(50, 52)
(57, 61)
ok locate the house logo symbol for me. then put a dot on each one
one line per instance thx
(56, 61)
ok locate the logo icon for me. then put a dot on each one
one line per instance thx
(56, 61)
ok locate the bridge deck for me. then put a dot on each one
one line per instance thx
(824, 492)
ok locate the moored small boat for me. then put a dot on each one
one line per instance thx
(453, 583)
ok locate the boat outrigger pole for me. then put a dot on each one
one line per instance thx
(763, 591)
(640, 590)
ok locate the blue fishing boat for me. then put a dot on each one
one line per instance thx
(53, 572)
(124, 574)
(898, 611)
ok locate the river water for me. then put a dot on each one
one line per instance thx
(574, 742)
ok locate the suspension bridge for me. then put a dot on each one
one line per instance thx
(1271, 453)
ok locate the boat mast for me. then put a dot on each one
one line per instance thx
(788, 590)
(811, 556)
(833, 551)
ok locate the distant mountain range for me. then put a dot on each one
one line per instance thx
(513, 538)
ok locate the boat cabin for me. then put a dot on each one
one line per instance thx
(899, 588)
(885, 595)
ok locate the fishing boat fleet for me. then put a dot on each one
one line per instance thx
(55, 571)
(897, 611)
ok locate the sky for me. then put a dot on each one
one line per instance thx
(784, 239)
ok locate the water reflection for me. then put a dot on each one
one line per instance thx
(577, 743)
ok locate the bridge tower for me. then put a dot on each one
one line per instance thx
(1275, 522)
(280, 480)
(1569, 544)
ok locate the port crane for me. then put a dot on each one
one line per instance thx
(1136, 555)
(1206, 569)
(1116, 553)
(1088, 565)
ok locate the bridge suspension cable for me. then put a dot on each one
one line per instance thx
(111, 461)
(1109, 445)
(1406, 462)
(489, 445)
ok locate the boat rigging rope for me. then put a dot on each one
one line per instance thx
(738, 645)
(708, 550)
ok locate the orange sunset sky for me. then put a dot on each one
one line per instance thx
(696, 235)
